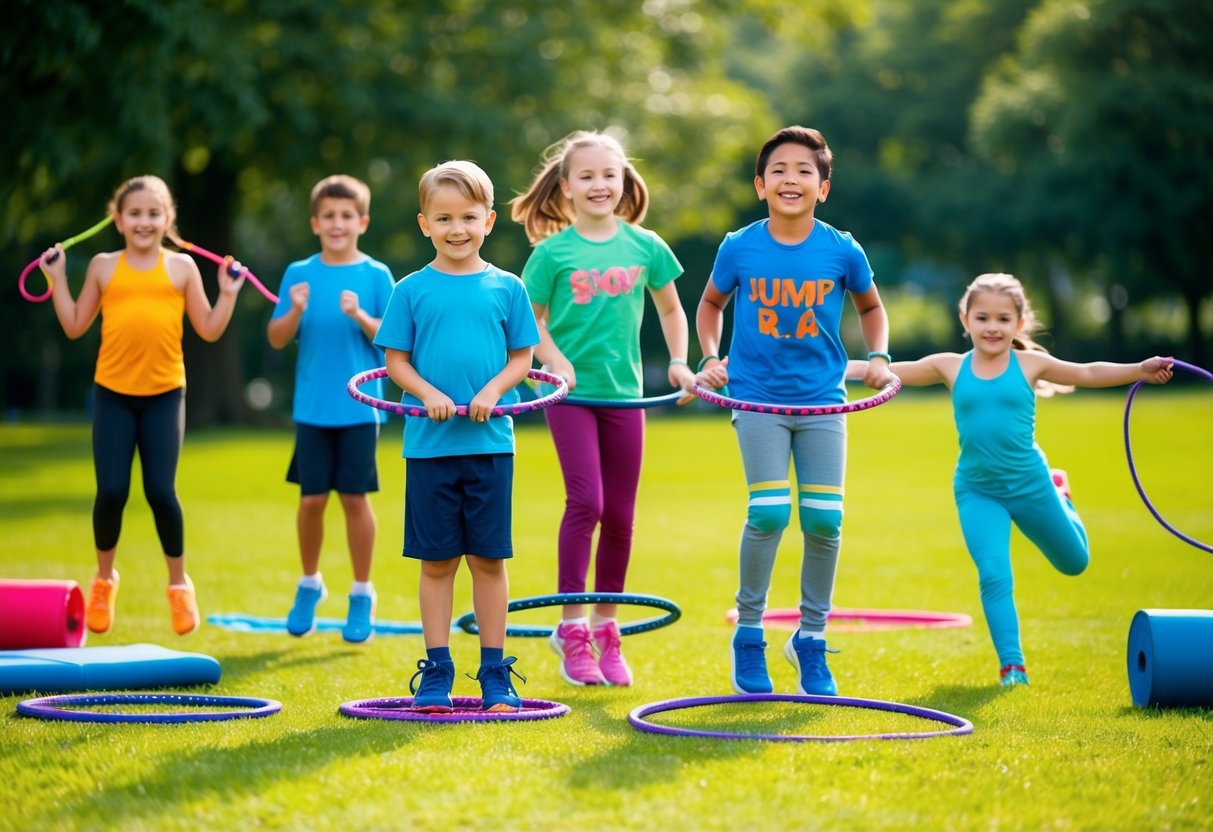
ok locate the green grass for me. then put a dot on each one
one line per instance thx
(1069, 752)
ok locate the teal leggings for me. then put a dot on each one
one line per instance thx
(1046, 519)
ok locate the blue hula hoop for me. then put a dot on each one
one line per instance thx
(241, 623)
(55, 707)
(467, 621)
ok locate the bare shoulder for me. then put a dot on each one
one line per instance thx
(101, 267)
(181, 268)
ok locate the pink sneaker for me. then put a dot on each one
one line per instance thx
(1061, 481)
(577, 663)
(610, 660)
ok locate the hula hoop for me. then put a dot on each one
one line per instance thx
(239, 623)
(628, 404)
(637, 718)
(858, 620)
(193, 248)
(467, 709)
(467, 621)
(53, 707)
(1192, 368)
(880, 397)
(65, 245)
(401, 409)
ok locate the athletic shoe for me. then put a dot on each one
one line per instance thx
(102, 595)
(184, 606)
(1011, 675)
(360, 624)
(433, 695)
(610, 658)
(748, 662)
(301, 620)
(1061, 481)
(496, 690)
(572, 642)
(808, 656)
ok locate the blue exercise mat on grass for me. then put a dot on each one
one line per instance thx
(103, 668)
(241, 623)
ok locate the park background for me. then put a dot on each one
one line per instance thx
(1070, 143)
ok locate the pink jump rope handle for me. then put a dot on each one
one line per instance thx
(25, 293)
(234, 269)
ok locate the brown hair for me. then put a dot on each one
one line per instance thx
(467, 177)
(807, 136)
(544, 210)
(342, 186)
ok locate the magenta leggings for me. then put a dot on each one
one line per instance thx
(599, 451)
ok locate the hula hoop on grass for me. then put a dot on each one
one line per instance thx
(1207, 376)
(401, 409)
(880, 397)
(855, 620)
(65, 245)
(467, 621)
(637, 718)
(467, 709)
(56, 707)
(240, 623)
(235, 269)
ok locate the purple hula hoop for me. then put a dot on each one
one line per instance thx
(637, 718)
(401, 409)
(467, 709)
(55, 707)
(880, 397)
(1192, 368)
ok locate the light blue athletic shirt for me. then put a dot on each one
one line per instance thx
(996, 426)
(332, 347)
(459, 329)
(786, 348)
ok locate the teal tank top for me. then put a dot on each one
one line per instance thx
(996, 426)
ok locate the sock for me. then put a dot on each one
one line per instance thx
(439, 654)
(751, 631)
(362, 588)
(575, 622)
(812, 633)
(491, 655)
(597, 621)
(312, 581)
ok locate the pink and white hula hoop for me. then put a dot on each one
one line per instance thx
(880, 397)
(401, 409)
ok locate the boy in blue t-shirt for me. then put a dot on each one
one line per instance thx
(331, 304)
(460, 330)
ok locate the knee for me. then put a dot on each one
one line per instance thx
(111, 497)
(996, 586)
(312, 505)
(768, 519)
(585, 506)
(821, 522)
(162, 497)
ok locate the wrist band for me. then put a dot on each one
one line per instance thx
(681, 361)
(888, 358)
(705, 360)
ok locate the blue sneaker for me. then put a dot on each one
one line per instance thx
(808, 656)
(433, 695)
(496, 690)
(360, 623)
(748, 665)
(1013, 674)
(301, 620)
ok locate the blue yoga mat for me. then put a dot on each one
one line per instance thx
(103, 668)
(255, 624)
(1170, 658)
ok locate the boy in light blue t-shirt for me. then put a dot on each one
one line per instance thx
(331, 304)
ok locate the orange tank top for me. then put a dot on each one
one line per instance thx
(141, 327)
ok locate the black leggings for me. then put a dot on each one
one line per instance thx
(156, 426)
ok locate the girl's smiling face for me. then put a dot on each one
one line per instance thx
(143, 219)
(594, 183)
(992, 321)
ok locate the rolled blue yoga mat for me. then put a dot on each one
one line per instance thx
(1170, 658)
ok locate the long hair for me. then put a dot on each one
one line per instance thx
(1009, 286)
(544, 210)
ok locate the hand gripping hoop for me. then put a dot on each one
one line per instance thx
(401, 409)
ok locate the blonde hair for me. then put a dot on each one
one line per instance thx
(544, 209)
(466, 177)
(147, 182)
(342, 186)
(1009, 286)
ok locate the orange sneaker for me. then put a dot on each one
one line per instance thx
(184, 606)
(101, 597)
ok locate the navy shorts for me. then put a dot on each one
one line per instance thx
(459, 505)
(335, 459)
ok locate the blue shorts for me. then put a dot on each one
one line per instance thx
(334, 459)
(459, 505)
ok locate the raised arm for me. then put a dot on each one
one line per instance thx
(1041, 365)
(76, 316)
(208, 321)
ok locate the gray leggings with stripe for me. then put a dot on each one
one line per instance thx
(817, 448)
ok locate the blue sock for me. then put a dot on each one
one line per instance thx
(491, 655)
(439, 654)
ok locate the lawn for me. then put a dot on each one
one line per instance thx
(1068, 752)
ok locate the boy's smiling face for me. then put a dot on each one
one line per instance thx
(791, 185)
(457, 227)
(338, 225)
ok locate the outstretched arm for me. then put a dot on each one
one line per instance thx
(938, 368)
(1156, 370)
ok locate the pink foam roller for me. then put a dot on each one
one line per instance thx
(41, 614)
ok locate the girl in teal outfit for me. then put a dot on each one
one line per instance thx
(1002, 475)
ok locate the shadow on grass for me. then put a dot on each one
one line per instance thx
(1156, 712)
(238, 667)
(961, 700)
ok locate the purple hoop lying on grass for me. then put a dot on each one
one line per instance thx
(467, 709)
(401, 409)
(880, 397)
(637, 718)
(65, 245)
(55, 707)
(1207, 376)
